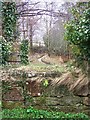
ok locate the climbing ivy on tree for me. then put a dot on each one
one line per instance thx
(9, 19)
(24, 52)
(78, 31)
(6, 51)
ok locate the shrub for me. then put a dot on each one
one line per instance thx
(24, 52)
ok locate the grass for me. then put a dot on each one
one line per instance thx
(30, 112)
(42, 67)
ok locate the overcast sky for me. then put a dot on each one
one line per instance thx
(41, 31)
(59, 1)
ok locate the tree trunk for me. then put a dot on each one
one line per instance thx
(31, 34)
(88, 75)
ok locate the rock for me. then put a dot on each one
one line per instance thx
(78, 71)
(86, 101)
(33, 88)
(46, 62)
(14, 94)
(52, 74)
(52, 101)
(30, 75)
(12, 104)
(80, 87)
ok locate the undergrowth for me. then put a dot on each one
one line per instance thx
(32, 113)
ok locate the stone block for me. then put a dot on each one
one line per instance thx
(86, 101)
(13, 94)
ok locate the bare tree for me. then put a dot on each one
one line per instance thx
(49, 21)
(31, 13)
(28, 24)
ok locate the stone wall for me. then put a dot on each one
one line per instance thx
(25, 89)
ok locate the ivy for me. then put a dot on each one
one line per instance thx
(30, 113)
(9, 19)
(5, 51)
(24, 52)
(78, 32)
